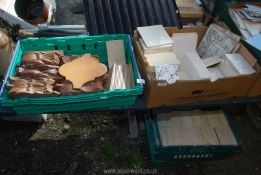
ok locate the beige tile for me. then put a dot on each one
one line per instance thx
(225, 136)
(115, 52)
(209, 136)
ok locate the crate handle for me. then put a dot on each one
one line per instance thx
(68, 47)
(83, 47)
(95, 46)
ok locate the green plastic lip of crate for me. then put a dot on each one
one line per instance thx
(95, 45)
(167, 155)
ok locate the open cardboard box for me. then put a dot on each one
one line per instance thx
(159, 93)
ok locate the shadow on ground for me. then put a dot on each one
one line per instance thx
(92, 143)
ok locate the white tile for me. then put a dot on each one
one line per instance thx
(167, 72)
(240, 64)
(195, 67)
(215, 73)
(227, 68)
(157, 49)
(115, 52)
(161, 58)
(154, 35)
(184, 42)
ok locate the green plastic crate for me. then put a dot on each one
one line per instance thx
(96, 45)
(167, 155)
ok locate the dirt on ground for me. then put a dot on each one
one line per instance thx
(92, 143)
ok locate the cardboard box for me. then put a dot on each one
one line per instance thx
(256, 89)
(224, 15)
(159, 93)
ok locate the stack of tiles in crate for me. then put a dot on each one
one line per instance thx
(195, 128)
(157, 46)
(120, 77)
(157, 49)
(120, 74)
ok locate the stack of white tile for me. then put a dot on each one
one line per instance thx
(157, 49)
(155, 39)
(157, 46)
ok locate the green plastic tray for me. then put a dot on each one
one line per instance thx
(167, 155)
(96, 45)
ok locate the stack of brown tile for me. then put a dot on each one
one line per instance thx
(38, 76)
